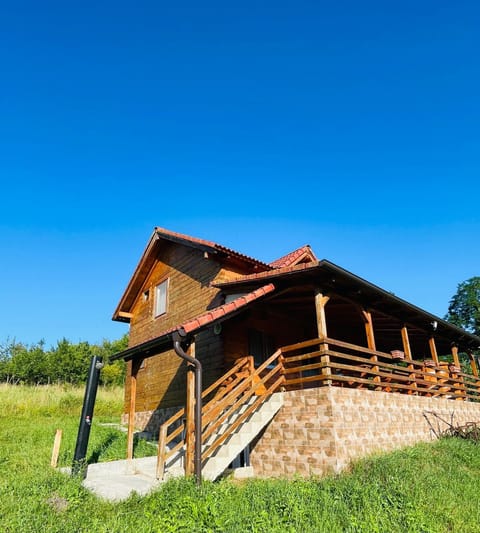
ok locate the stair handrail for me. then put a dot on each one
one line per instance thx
(234, 400)
(165, 437)
(247, 388)
(259, 399)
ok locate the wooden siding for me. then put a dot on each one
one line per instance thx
(161, 382)
(282, 328)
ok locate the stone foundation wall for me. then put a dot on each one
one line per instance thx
(320, 430)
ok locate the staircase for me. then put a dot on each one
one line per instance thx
(217, 463)
(236, 409)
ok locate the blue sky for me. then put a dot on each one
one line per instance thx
(351, 126)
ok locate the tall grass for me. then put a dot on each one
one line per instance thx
(428, 488)
(55, 400)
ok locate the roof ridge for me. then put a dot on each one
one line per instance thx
(211, 244)
(292, 257)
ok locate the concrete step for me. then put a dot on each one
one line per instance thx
(116, 480)
(237, 442)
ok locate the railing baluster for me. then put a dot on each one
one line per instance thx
(162, 447)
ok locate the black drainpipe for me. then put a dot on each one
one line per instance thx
(177, 346)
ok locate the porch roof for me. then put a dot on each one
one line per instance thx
(194, 325)
(331, 278)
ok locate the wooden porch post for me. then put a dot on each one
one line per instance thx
(433, 349)
(408, 354)
(460, 385)
(190, 417)
(321, 301)
(406, 343)
(473, 364)
(131, 412)
(456, 359)
(367, 315)
(367, 318)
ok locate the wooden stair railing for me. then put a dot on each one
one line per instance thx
(260, 384)
(168, 433)
(230, 392)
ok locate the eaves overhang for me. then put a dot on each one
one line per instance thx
(123, 311)
(195, 325)
(331, 278)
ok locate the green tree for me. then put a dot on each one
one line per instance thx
(464, 307)
(8, 350)
(28, 364)
(69, 362)
(113, 373)
(65, 363)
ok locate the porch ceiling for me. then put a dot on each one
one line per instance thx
(391, 312)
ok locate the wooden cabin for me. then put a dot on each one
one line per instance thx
(214, 331)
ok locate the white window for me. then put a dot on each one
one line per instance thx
(161, 298)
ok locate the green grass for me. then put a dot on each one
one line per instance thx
(426, 488)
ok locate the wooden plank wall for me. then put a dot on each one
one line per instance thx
(161, 380)
(283, 329)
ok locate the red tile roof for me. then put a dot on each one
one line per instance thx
(278, 272)
(208, 318)
(167, 234)
(148, 257)
(214, 315)
(293, 258)
(224, 310)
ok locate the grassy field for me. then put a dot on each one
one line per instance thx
(427, 488)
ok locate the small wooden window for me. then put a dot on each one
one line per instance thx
(161, 291)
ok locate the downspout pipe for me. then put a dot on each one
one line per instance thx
(179, 341)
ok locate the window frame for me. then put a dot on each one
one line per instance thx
(164, 308)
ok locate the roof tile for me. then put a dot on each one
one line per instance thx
(278, 272)
(292, 258)
(219, 312)
(225, 309)
(210, 244)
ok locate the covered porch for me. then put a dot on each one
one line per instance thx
(312, 326)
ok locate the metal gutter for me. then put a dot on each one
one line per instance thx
(177, 346)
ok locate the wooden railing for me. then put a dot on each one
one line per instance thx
(329, 361)
(241, 385)
(312, 363)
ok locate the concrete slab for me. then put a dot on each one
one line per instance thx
(116, 480)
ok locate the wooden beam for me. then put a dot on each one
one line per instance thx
(190, 417)
(367, 317)
(124, 314)
(456, 359)
(135, 365)
(473, 364)
(433, 349)
(321, 301)
(474, 368)
(406, 343)
(460, 391)
(408, 356)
